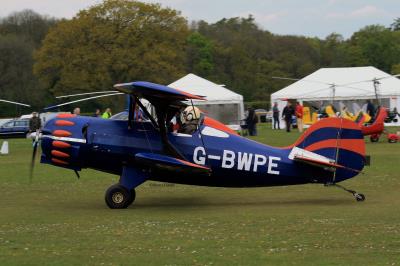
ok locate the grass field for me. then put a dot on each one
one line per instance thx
(59, 220)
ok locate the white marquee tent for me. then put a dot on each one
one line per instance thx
(344, 85)
(222, 104)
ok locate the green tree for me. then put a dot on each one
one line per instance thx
(20, 34)
(395, 26)
(200, 54)
(240, 49)
(332, 53)
(29, 24)
(378, 45)
(395, 69)
(299, 55)
(115, 41)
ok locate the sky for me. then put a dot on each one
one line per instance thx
(307, 17)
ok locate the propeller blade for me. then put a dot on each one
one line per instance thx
(81, 100)
(86, 93)
(35, 145)
(17, 103)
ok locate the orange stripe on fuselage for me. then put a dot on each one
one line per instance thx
(331, 122)
(61, 133)
(354, 145)
(64, 123)
(57, 161)
(60, 154)
(61, 144)
(66, 116)
(192, 164)
(217, 125)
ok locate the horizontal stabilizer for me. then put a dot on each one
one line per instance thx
(325, 165)
(314, 159)
(168, 163)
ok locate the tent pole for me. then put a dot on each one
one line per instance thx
(376, 83)
(333, 86)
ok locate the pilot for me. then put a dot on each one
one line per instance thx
(190, 119)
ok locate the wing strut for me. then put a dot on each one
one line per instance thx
(167, 146)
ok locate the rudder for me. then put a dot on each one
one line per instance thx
(338, 139)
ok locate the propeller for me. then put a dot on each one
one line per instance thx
(86, 93)
(38, 134)
(34, 151)
(84, 99)
(16, 103)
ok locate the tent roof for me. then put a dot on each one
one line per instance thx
(350, 83)
(199, 86)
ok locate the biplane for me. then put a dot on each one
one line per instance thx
(330, 151)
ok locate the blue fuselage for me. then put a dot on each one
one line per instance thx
(108, 145)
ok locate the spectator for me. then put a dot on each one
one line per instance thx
(138, 114)
(251, 121)
(275, 115)
(287, 114)
(107, 114)
(370, 109)
(176, 122)
(299, 116)
(34, 123)
(77, 111)
(97, 113)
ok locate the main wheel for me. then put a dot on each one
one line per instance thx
(132, 197)
(374, 138)
(359, 197)
(118, 197)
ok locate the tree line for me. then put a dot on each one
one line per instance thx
(123, 40)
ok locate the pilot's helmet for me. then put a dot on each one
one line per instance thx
(190, 113)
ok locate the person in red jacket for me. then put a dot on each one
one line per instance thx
(299, 116)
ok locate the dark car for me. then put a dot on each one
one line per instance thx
(16, 128)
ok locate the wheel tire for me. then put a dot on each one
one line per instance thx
(132, 197)
(374, 139)
(117, 197)
(359, 197)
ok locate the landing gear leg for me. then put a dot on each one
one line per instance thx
(357, 196)
(121, 195)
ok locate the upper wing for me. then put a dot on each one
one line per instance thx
(151, 90)
(168, 163)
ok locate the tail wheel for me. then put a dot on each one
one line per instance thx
(359, 196)
(118, 197)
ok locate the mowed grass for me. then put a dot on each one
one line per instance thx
(60, 220)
